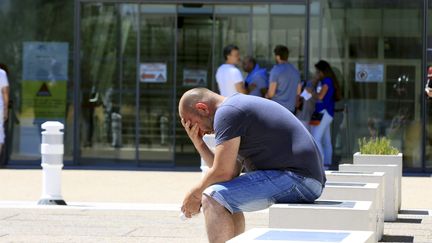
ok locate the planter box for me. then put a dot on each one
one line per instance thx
(373, 159)
(359, 158)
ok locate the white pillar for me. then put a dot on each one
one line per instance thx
(52, 150)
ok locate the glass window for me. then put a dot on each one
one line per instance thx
(287, 27)
(108, 81)
(37, 47)
(375, 51)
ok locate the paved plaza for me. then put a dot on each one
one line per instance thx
(143, 206)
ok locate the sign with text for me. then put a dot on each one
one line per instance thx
(44, 90)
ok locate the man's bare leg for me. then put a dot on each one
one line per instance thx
(239, 223)
(220, 223)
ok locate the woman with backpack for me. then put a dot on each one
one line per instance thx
(326, 91)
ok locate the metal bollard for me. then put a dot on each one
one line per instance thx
(52, 150)
(116, 128)
(164, 126)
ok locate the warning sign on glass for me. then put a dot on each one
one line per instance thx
(153, 72)
(369, 72)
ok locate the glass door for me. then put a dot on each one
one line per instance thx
(194, 65)
(108, 81)
(156, 83)
(428, 98)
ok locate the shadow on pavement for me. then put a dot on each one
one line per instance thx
(409, 221)
(397, 238)
(414, 212)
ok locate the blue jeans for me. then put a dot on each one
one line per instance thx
(322, 136)
(260, 189)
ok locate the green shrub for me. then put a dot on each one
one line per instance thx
(379, 146)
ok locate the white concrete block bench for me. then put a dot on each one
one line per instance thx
(358, 191)
(391, 205)
(270, 235)
(324, 215)
(373, 177)
(359, 159)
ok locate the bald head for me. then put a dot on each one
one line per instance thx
(198, 106)
(192, 98)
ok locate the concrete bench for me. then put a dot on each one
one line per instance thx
(372, 177)
(391, 177)
(324, 215)
(358, 159)
(270, 235)
(359, 192)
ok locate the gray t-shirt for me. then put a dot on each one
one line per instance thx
(287, 78)
(272, 138)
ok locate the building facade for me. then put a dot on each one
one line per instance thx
(113, 71)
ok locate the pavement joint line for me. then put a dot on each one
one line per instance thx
(85, 206)
(129, 232)
(9, 217)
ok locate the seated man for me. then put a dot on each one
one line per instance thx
(282, 161)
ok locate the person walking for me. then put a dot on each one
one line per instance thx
(326, 92)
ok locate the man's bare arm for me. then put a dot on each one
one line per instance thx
(194, 134)
(271, 90)
(5, 93)
(225, 166)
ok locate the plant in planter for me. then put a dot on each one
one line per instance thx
(377, 146)
(377, 151)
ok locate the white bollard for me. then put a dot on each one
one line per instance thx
(209, 140)
(52, 150)
(270, 235)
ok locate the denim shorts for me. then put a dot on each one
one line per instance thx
(260, 189)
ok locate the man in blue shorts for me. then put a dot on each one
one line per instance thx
(281, 160)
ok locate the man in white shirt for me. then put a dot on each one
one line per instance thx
(228, 76)
(4, 102)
